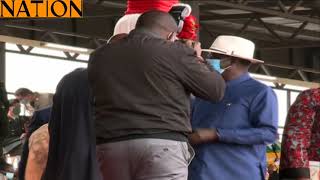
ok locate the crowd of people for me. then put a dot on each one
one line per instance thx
(151, 106)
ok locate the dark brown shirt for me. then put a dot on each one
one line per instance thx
(142, 85)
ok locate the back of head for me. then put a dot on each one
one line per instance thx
(158, 22)
(23, 92)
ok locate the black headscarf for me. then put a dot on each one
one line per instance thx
(72, 153)
(4, 107)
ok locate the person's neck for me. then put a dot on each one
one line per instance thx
(150, 32)
(229, 76)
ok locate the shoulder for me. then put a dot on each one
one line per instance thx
(73, 80)
(39, 140)
(259, 85)
(44, 112)
(182, 48)
(311, 92)
(262, 91)
(77, 74)
(160, 45)
(309, 97)
(40, 117)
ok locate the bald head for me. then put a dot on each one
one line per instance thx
(158, 22)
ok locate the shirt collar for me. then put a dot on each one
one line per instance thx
(239, 80)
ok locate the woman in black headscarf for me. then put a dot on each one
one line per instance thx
(72, 153)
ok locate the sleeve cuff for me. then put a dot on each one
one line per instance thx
(293, 173)
(220, 135)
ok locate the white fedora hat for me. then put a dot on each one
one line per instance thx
(234, 46)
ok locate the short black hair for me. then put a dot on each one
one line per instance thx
(23, 92)
(244, 62)
(157, 20)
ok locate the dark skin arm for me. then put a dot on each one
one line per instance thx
(200, 136)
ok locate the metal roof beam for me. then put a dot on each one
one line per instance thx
(247, 34)
(264, 11)
(245, 26)
(294, 7)
(282, 6)
(298, 31)
(92, 41)
(287, 45)
(270, 29)
(287, 29)
(32, 28)
(211, 15)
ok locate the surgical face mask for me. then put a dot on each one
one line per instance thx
(215, 64)
(24, 101)
(219, 65)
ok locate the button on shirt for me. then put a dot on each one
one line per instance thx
(246, 120)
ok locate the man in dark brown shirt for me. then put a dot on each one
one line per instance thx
(142, 86)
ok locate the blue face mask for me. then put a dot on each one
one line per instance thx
(215, 64)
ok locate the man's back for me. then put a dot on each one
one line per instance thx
(143, 83)
(72, 153)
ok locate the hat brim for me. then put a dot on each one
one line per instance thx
(221, 53)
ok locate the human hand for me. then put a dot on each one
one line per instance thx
(23, 136)
(200, 136)
(198, 50)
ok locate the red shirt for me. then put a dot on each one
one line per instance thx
(301, 138)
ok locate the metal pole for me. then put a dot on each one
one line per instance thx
(2, 62)
(4, 104)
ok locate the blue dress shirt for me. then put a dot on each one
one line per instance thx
(246, 120)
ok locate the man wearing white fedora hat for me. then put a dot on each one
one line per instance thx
(230, 136)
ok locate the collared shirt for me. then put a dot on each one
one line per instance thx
(142, 86)
(246, 120)
(301, 138)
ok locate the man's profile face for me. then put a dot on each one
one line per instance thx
(226, 62)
